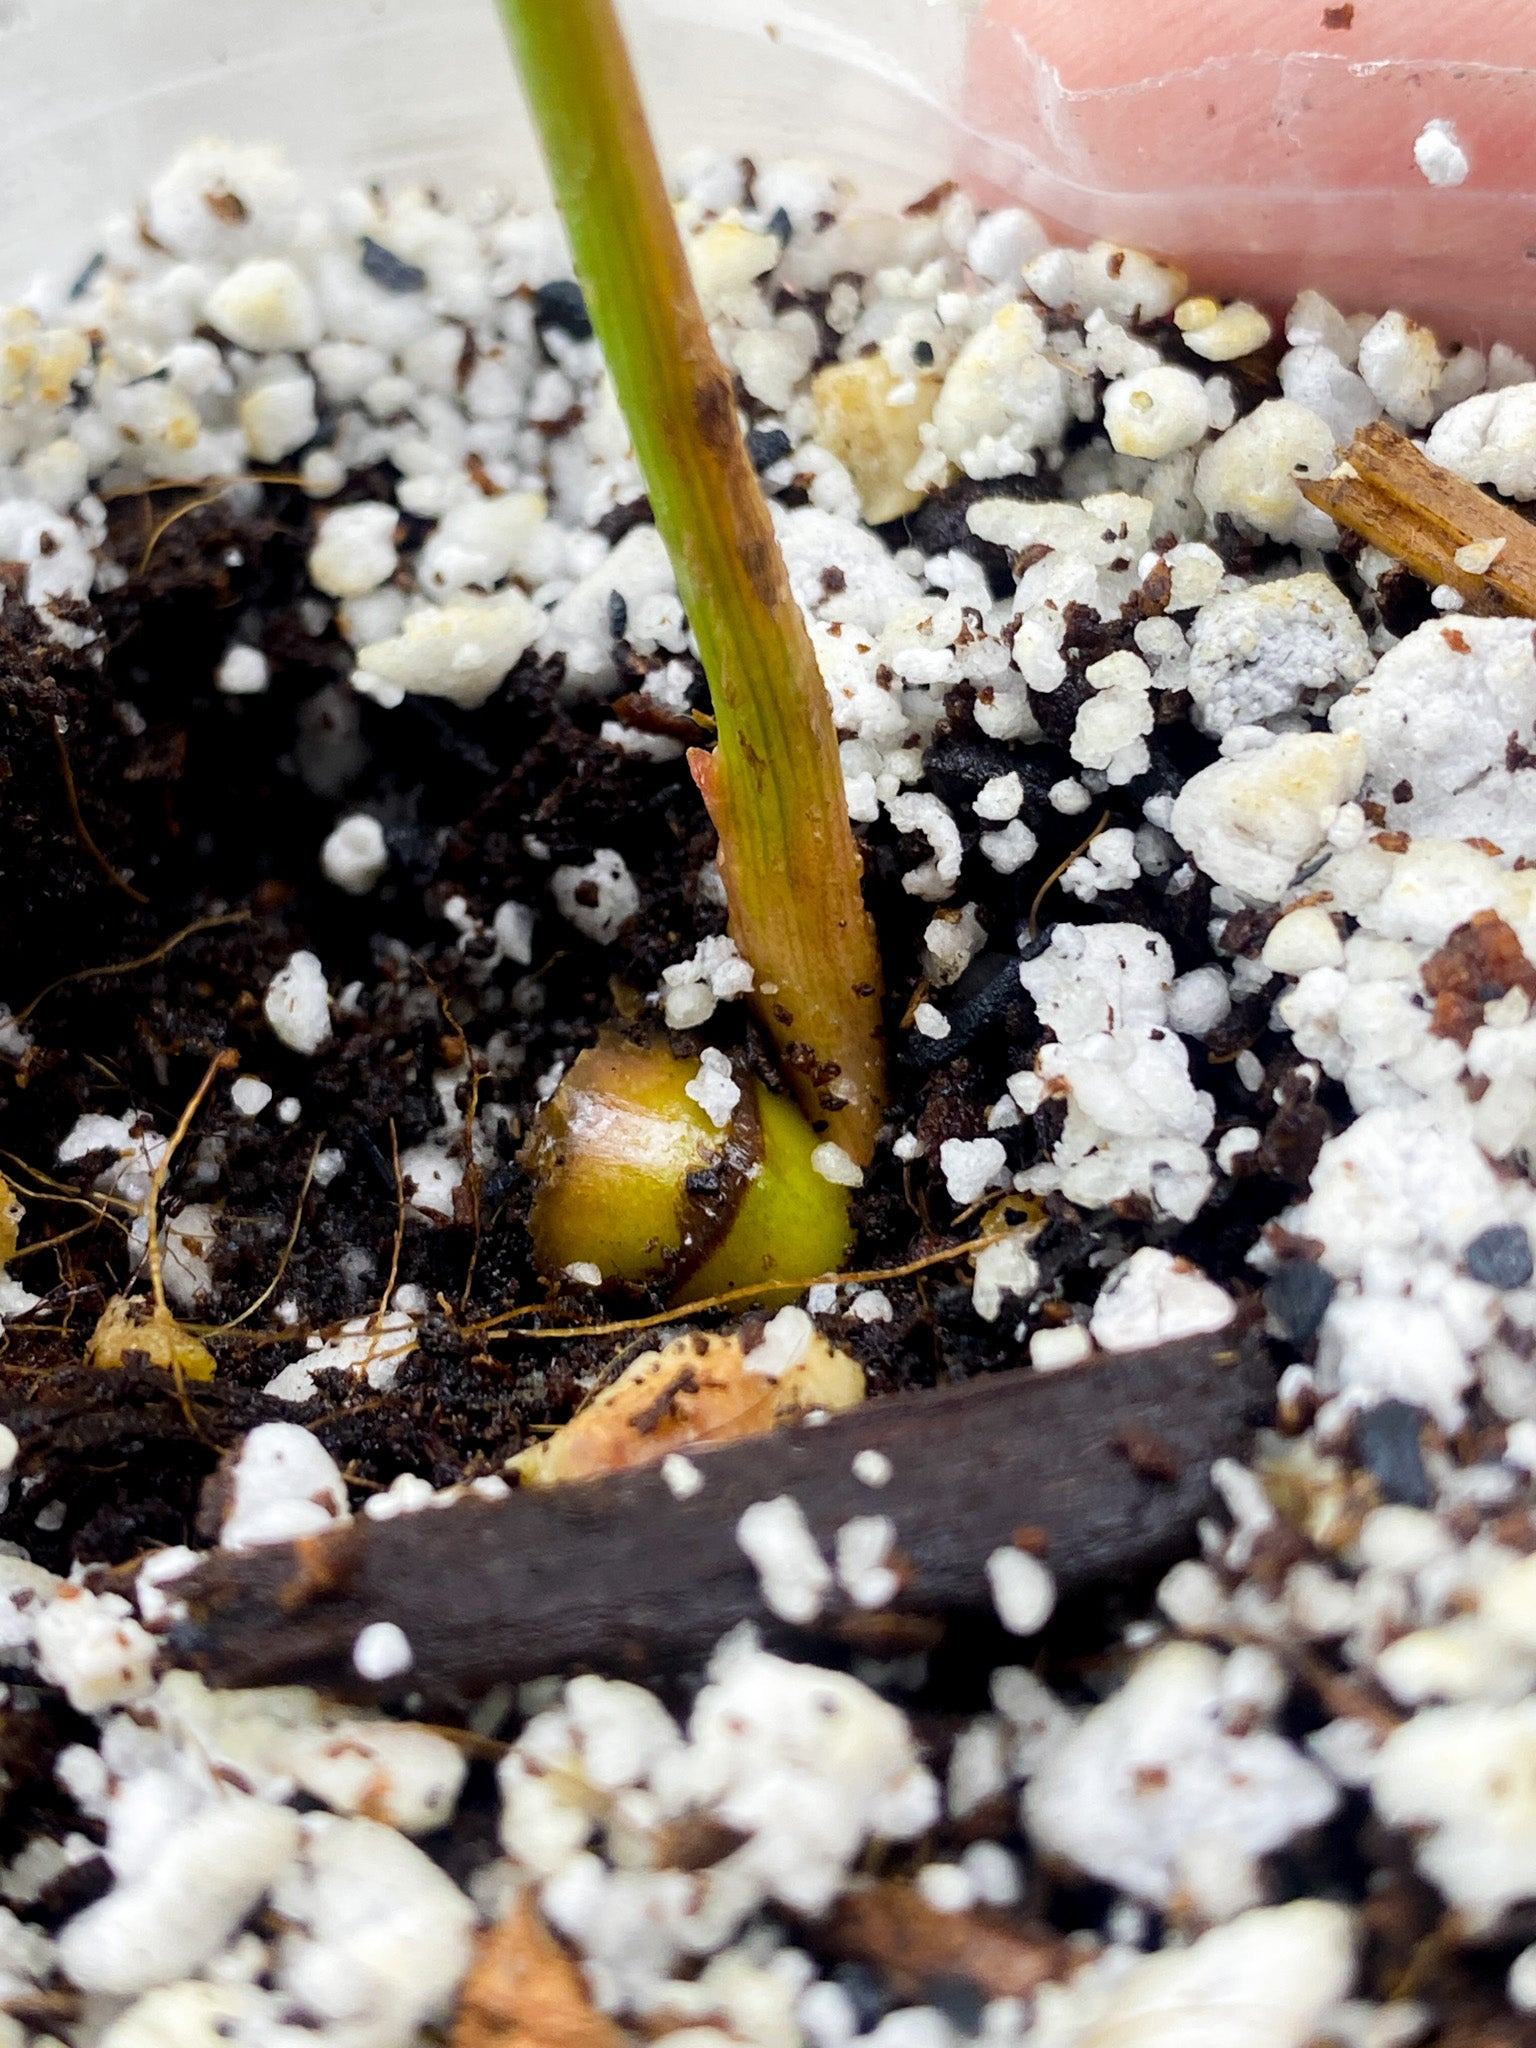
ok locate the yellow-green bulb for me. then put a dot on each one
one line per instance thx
(633, 1176)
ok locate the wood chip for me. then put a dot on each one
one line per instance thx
(524, 1991)
(1389, 492)
(893, 1927)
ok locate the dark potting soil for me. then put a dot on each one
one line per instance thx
(159, 844)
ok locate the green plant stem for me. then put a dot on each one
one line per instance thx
(774, 783)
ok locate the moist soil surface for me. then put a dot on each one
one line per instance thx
(159, 863)
(159, 843)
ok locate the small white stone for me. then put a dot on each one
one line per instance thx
(1010, 849)
(1252, 821)
(354, 857)
(243, 672)
(1002, 242)
(1221, 334)
(787, 1337)
(382, 1651)
(833, 1164)
(1199, 1001)
(946, 1887)
(930, 1022)
(297, 1004)
(1401, 362)
(999, 798)
(871, 1305)
(1005, 1269)
(1023, 1591)
(1439, 154)
(714, 1088)
(793, 1576)
(284, 1485)
(1153, 1298)
(970, 1166)
(1302, 940)
(585, 1273)
(1521, 1981)
(1156, 413)
(249, 1095)
(683, 1478)
(278, 415)
(863, 1545)
(355, 550)
(1052, 1350)
(1068, 797)
(1479, 556)
(264, 305)
(1251, 472)
(872, 1468)
(461, 651)
(1491, 439)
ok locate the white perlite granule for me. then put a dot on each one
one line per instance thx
(284, 1485)
(970, 1166)
(297, 1004)
(787, 1337)
(1054, 1349)
(714, 1087)
(832, 1163)
(354, 855)
(243, 672)
(1439, 154)
(683, 1478)
(862, 1547)
(1023, 1591)
(872, 1468)
(793, 1576)
(382, 1651)
(249, 1095)
(1153, 1299)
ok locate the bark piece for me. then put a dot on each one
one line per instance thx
(1389, 492)
(616, 1575)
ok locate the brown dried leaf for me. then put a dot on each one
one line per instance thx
(524, 1991)
(700, 1389)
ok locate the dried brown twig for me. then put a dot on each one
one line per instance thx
(1437, 524)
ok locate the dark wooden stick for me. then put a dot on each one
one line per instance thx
(616, 1575)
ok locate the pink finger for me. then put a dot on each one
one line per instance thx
(1270, 144)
